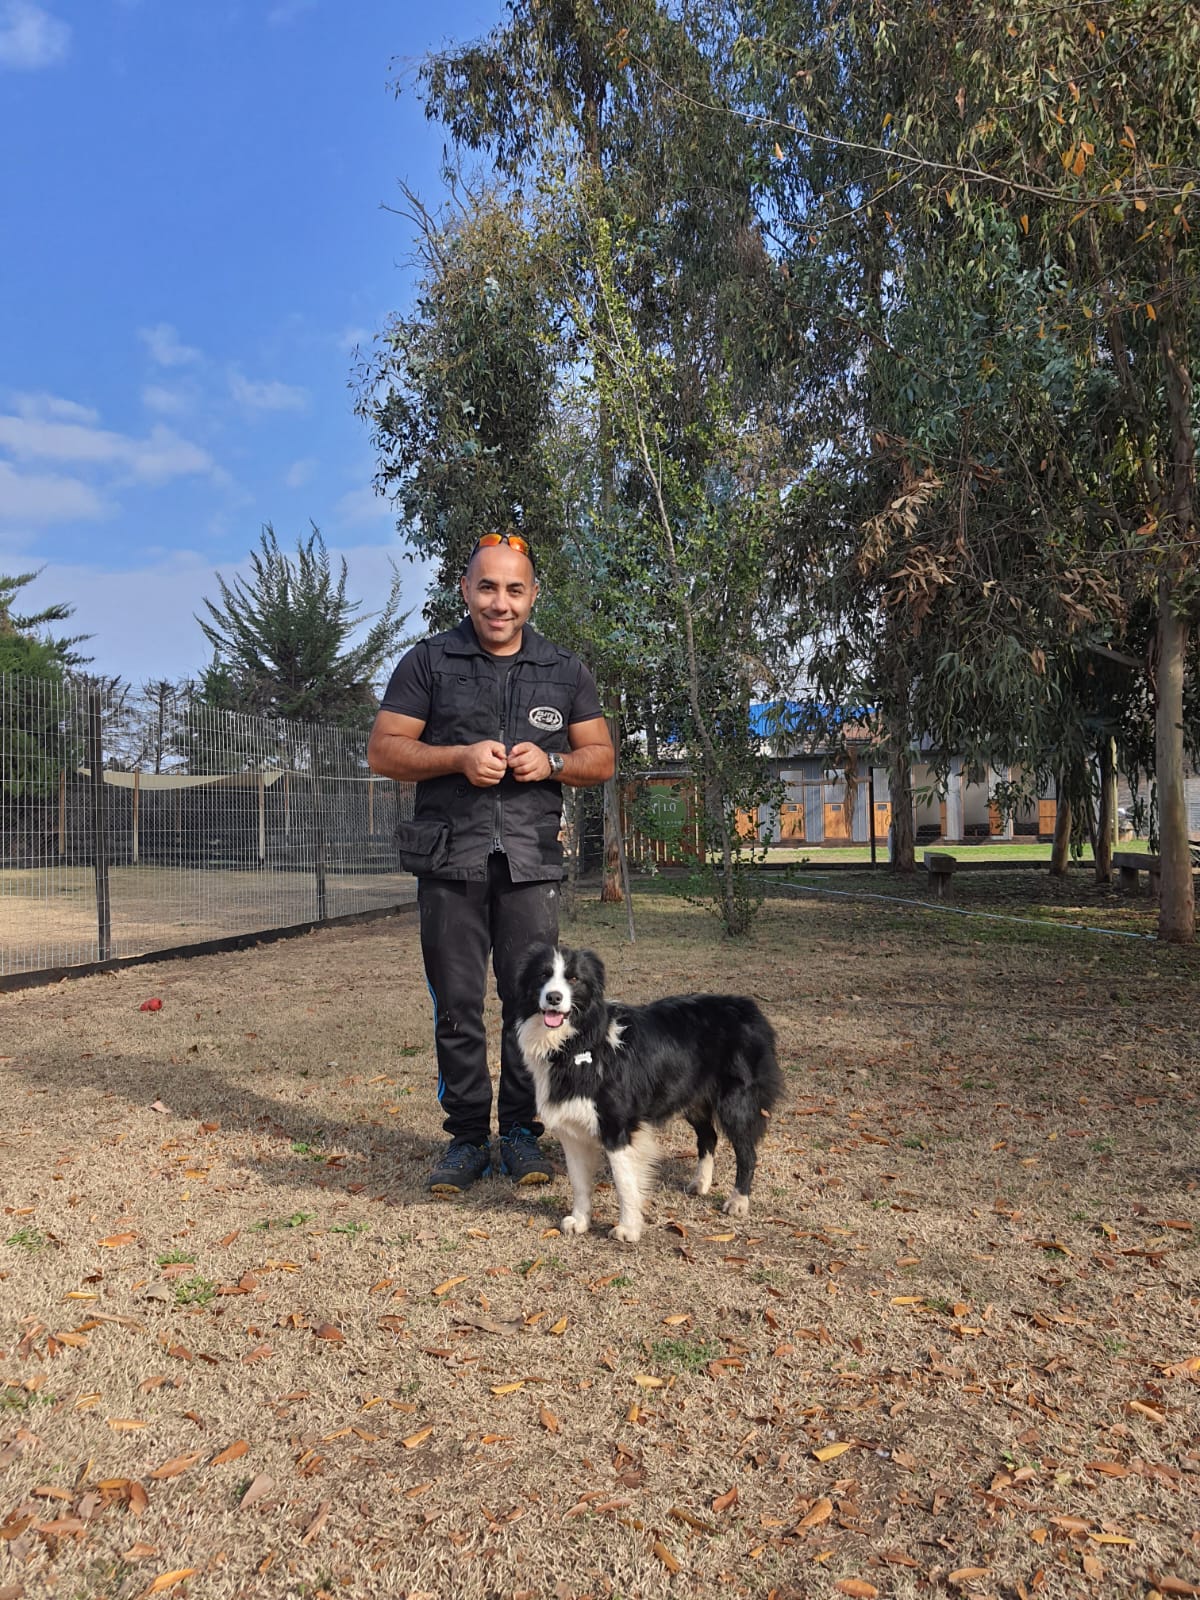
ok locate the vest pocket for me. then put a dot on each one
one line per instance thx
(423, 846)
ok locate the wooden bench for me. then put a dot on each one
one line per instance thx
(941, 868)
(1130, 864)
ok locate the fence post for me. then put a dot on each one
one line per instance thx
(99, 826)
(318, 820)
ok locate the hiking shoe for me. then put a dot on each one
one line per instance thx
(521, 1158)
(458, 1169)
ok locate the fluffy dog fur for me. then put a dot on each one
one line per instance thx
(608, 1074)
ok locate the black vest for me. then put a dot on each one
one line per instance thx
(457, 825)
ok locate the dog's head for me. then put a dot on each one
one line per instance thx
(561, 985)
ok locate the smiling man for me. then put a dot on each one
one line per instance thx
(489, 720)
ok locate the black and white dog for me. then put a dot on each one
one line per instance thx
(608, 1074)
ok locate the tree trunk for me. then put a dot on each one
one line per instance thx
(1177, 899)
(1106, 824)
(610, 889)
(1060, 850)
(902, 848)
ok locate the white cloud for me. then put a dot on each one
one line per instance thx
(30, 37)
(363, 505)
(267, 396)
(143, 620)
(55, 407)
(288, 10)
(352, 338)
(299, 473)
(165, 346)
(46, 497)
(155, 459)
(167, 402)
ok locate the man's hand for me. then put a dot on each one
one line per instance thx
(484, 764)
(528, 763)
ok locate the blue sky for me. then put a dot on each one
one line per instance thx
(195, 241)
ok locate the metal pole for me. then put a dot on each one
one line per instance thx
(871, 808)
(99, 827)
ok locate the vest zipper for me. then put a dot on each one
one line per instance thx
(498, 811)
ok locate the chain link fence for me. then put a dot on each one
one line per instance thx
(133, 822)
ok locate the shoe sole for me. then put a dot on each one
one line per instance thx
(532, 1177)
(449, 1188)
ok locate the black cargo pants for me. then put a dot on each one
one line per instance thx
(461, 922)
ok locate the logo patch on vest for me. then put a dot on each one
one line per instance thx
(548, 718)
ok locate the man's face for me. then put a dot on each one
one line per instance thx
(499, 590)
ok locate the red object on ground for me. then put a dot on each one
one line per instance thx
(150, 1005)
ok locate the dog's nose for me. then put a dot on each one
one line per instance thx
(553, 998)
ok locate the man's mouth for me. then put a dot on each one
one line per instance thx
(554, 1019)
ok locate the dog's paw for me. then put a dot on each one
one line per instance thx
(699, 1185)
(626, 1232)
(572, 1223)
(738, 1205)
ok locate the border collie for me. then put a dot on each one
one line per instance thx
(608, 1074)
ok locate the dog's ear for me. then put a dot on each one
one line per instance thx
(537, 957)
(592, 969)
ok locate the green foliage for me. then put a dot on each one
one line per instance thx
(195, 1291)
(283, 638)
(456, 394)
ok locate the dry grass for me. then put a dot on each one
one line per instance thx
(48, 914)
(242, 1344)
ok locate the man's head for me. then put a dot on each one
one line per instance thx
(498, 589)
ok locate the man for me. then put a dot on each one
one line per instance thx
(489, 720)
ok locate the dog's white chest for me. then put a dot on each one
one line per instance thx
(577, 1116)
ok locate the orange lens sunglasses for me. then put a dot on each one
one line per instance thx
(485, 540)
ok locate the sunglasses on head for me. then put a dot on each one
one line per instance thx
(486, 540)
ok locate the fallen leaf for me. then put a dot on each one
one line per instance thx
(168, 1580)
(547, 1419)
(124, 1424)
(820, 1512)
(508, 1388)
(644, 1381)
(967, 1574)
(139, 1550)
(414, 1439)
(259, 1489)
(176, 1465)
(665, 1556)
(231, 1452)
(724, 1501)
(450, 1283)
(115, 1240)
(329, 1332)
(318, 1522)
(830, 1452)
(859, 1587)
(151, 1005)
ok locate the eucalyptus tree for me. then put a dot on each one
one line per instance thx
(457, 390)
(1005, 192)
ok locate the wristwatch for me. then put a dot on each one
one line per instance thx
(556, 762)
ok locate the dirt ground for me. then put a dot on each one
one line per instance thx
(954, 1349)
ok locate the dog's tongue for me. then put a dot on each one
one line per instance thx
(552, 1019)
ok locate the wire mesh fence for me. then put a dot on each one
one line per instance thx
(134, 822)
